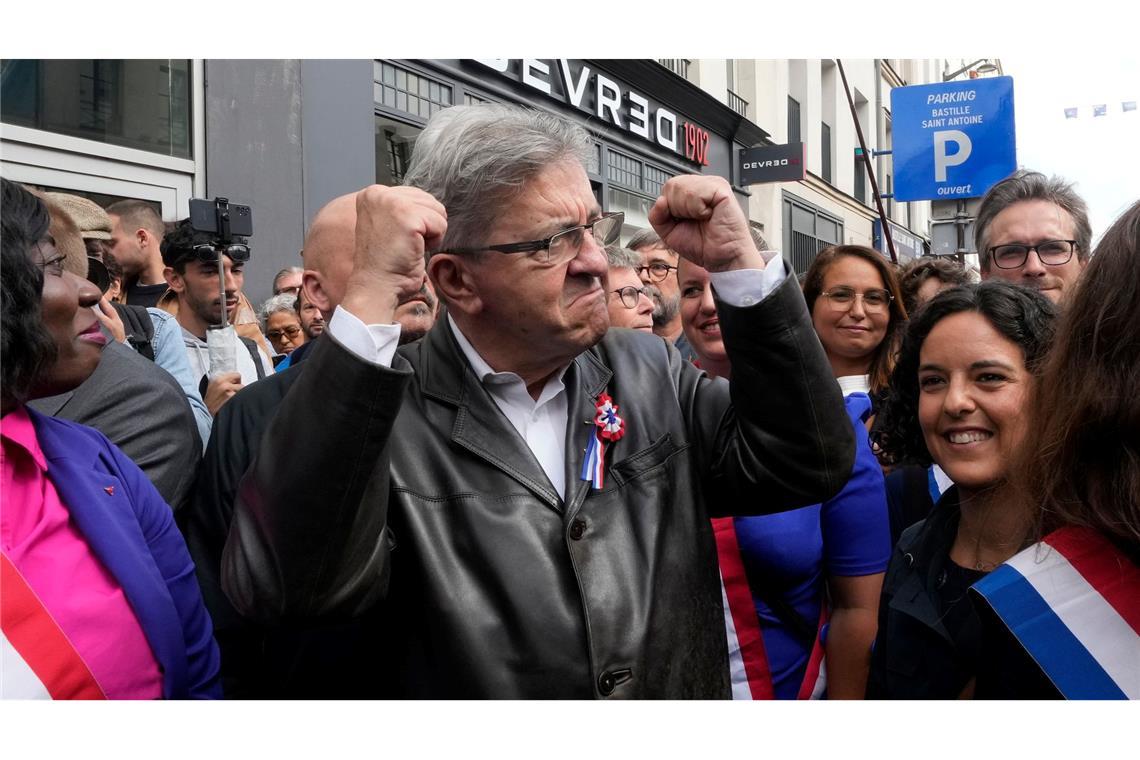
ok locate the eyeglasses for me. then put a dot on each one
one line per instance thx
(564, 245)
(874, 300)
(658, 270)
(207, 253)
(1053, 253)
(292, 331)
(630, 295)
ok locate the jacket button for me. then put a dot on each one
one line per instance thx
(606, 683)
(577, 528)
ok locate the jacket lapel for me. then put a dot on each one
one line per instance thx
(480, 427)
(101, 508)
(585, 381)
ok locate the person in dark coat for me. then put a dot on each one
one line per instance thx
(957, 397)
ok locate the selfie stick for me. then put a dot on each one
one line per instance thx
(222, 209)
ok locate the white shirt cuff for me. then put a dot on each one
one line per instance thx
(375, 344)
(747, 287)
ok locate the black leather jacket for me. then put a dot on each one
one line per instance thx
(414, 501)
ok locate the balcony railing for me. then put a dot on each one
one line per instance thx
(737, 103)
(679, 66)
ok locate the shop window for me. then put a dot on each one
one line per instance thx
(140, 104)
(394, 143)
(409, 92)
(624, 170)
(634, 174)
(807, 231)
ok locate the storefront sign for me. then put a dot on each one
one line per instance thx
(575, 83)
(772, 163)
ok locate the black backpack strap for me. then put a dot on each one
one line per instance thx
(254, 354)
(139, 328)
(800, 627)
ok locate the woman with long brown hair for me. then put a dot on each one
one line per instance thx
(857, 309)
(1062, 618)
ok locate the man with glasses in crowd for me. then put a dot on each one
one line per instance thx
(658, 272)
(191, 260)
(1034, 231)
(518, 503)
(627, 298)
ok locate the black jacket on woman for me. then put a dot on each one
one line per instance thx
(915, 656)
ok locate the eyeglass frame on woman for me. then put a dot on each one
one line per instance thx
(537, 246)
(885, 306)
(1035, 249)
(637, 292)
(290, 332)
(664, 268)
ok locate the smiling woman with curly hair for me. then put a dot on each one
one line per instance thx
(964, 380)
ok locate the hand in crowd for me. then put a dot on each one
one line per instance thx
(110, 319)
(699, 218)
(220, 389)
(395, 226)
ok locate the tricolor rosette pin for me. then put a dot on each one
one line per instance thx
(608, 427)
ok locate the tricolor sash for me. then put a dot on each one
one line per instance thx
(1073, 602)
(749, 672)
(39, 660)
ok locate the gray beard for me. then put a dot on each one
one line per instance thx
(665, 310)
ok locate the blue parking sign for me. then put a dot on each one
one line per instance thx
(952, 140)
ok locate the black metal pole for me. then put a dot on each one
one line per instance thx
(867, 161)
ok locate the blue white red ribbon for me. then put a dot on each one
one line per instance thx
(608, 427)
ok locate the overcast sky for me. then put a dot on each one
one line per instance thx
(1101, 154)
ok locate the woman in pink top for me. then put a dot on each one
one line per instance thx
(99, 598)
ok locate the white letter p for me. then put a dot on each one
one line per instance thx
(943, 161)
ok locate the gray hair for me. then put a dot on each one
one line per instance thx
(281, 302)
(622, 258)
(645, 238)
(477, 159)
(1024, 185)
(287, 270)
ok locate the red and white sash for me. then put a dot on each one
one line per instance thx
(38, 660)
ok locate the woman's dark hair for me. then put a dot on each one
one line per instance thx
(1084, 468)
(1023, 316)
(26, 348)
(915, 274)
(883, 359)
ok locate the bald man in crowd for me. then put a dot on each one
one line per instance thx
(257, 663)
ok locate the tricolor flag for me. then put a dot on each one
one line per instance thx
(1070, 113)
(1100, 110)
(1128, 105)
(1073, 603)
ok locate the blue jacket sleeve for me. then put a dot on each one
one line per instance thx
(168, 549)
(170, 354)
(855, 523)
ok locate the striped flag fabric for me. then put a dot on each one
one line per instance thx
(1070, 113)
(1128, 105)
(1073, 602)
(1100, 110)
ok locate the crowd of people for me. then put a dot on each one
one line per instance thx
(477, 447)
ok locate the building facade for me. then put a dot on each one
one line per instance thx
(286, 136)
